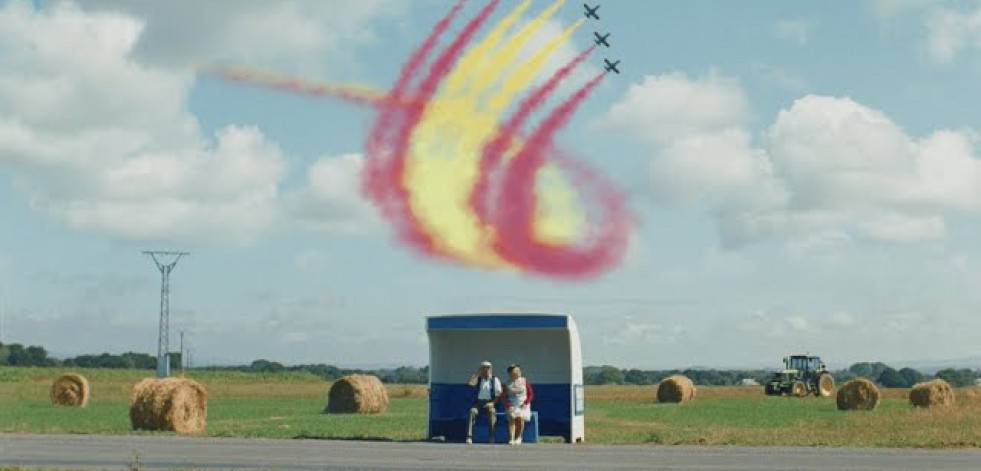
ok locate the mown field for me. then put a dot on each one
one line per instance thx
(291, 406)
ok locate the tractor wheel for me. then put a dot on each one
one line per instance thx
(826, 385)
(798, 389)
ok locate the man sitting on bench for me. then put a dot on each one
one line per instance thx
(488, 391)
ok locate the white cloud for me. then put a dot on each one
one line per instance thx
(951, 32)
(664, 108)
(827, 165)
(103, 140)
(331, 202)
(793, 30)
(292, 36)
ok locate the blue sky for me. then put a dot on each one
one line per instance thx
(805, 176)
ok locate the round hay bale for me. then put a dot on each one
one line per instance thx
(361, 394)
(676, 388)
(70, 389)
(858, 394)
(168, 404)
(932, 393)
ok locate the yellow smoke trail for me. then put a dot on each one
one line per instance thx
(464, 115)
(446, 143)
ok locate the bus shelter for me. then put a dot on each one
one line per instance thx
(545, 345)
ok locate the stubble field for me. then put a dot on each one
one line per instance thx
(291, 406)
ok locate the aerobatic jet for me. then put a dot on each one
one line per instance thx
(611, 67)
(601, 40)
(591, 12)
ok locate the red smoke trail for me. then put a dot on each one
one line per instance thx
(515, 211)
(377, 175)
(493, 153)
(397, 204)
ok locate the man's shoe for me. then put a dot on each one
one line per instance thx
(469, 441)
(517, 441)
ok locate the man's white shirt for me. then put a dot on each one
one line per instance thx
(484, 389)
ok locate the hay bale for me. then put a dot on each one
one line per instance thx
(676, 388)
(168, 404)
(70, 389)
(858, 394)
(932, 393)
(362, 394)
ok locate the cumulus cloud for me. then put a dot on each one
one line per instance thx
(826, 165)
(290, 35)
(664, 108)
(330, 200)
(103, 140)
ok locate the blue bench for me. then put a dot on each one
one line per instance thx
(481, 429)
(449, 410)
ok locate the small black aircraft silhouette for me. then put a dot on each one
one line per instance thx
(601, 40)
(591, 12)
(611, 67)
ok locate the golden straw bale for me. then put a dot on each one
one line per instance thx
(676, 388)
(858, 394)
(363, 394)
(169, 404)
(70, 389)
(932, 393)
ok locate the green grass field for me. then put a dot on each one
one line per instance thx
(291, 406)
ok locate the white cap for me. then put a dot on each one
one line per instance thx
(485, 363)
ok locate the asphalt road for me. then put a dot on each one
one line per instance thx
(120, 452)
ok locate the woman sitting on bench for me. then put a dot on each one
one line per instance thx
(518, 402)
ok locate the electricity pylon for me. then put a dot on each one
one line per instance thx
(163, 340)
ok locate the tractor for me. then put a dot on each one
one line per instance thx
(802, 375)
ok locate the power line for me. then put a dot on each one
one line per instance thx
(163, 340)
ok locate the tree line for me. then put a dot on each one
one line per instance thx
(18, 355)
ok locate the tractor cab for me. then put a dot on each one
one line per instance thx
(803, 364)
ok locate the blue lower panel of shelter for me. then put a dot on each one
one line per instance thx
(449, 411)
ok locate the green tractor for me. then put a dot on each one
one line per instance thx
(802, 375)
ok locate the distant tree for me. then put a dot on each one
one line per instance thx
(16, 356)
(605, 375)
(911, 376)
(957, 378)
(635, 376)
(891, 378)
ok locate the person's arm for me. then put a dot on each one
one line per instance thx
(531, 393)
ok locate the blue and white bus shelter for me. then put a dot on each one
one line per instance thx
(545, 345)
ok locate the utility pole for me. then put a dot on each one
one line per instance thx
(163, 340)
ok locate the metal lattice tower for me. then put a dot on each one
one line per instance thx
(163, 341)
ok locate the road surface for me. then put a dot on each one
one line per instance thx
(171, 452)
